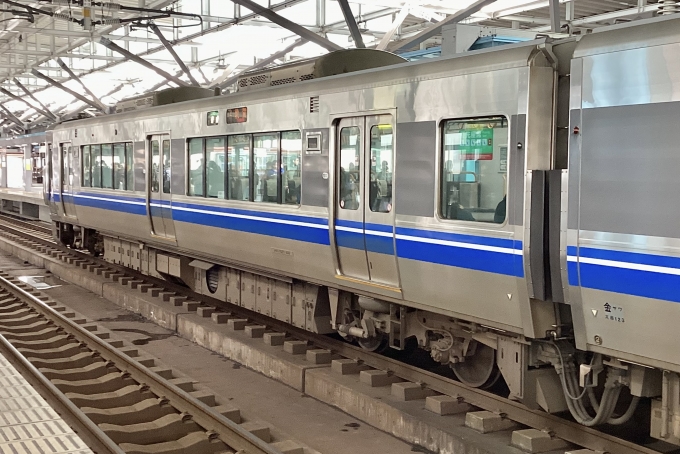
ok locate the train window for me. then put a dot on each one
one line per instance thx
(474, 171)
(166, 167)
(350, 168)
(291, 154)
(129, 165)
(238, 165)
(382, 157)
(214, 154)
(267, 168)
(155, 166)
(196, 167)
(96, 165)
(107, 166)
(119, 166)
(87, 180)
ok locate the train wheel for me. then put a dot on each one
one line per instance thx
(378, 343)
(478, 370)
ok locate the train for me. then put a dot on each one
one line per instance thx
(513, 209)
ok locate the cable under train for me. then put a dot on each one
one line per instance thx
(515, 209)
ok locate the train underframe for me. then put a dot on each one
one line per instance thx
(550, 374)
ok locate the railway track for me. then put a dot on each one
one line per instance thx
(134, 409)
(569, 431)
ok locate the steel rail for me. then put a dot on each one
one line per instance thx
(87, 430)
(24, 223)
(570, 431)
(226, 430)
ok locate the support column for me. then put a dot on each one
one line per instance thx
(555, 24)
(28, 167)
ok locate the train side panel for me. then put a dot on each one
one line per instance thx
(624, 248)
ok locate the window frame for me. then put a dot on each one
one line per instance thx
(441, 163)
(82, 166)
(188, 167)
(116, 187)
(251, 162)
(128, 154)
(277, 167)
(205, 170)
(129, 169)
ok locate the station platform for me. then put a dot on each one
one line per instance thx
(29, 204)
(28, 424)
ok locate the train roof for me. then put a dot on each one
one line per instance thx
(510, 56)
(634, 35)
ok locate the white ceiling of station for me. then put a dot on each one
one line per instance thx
(217, 39)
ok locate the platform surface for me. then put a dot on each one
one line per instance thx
(20, 195)
(28, 424)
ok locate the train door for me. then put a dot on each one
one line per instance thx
(159, 200)
(66, 178)
(47, 175)
(364, 215)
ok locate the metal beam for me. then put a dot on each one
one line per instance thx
(382, 45)
(46, 110)
(126, 53)
(165, 82)
(73, 75)
(20, 99)
(186, 39)
(10, 116)
(351, 23)
(434, 29)
(606, 17)
(289, 25)
(82, 108)
(61, 86)
(170, 49)
(555, 24)
(265, 62)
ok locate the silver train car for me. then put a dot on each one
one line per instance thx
(513, 209)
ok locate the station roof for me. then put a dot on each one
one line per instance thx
(60, 59)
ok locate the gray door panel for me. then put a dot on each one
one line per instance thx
(364, 221)
(349, 219)
(159, 202)
(66, 158)
(378, 209)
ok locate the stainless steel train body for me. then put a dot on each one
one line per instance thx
(585, 258)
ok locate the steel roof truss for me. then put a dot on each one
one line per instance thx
(73, 75)
(351, 23)
(61, 86)
(137, 59)
(170, 49)
(288, 25)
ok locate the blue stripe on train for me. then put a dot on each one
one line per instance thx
(474, 259)
(130, 205)
(622, 277)
(242, 220)
(373, 241)
(631, 282)
(461, 238)
(314, 230)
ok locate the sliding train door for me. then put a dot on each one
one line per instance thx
(158, 190)
(66, 152)
(364, 215)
